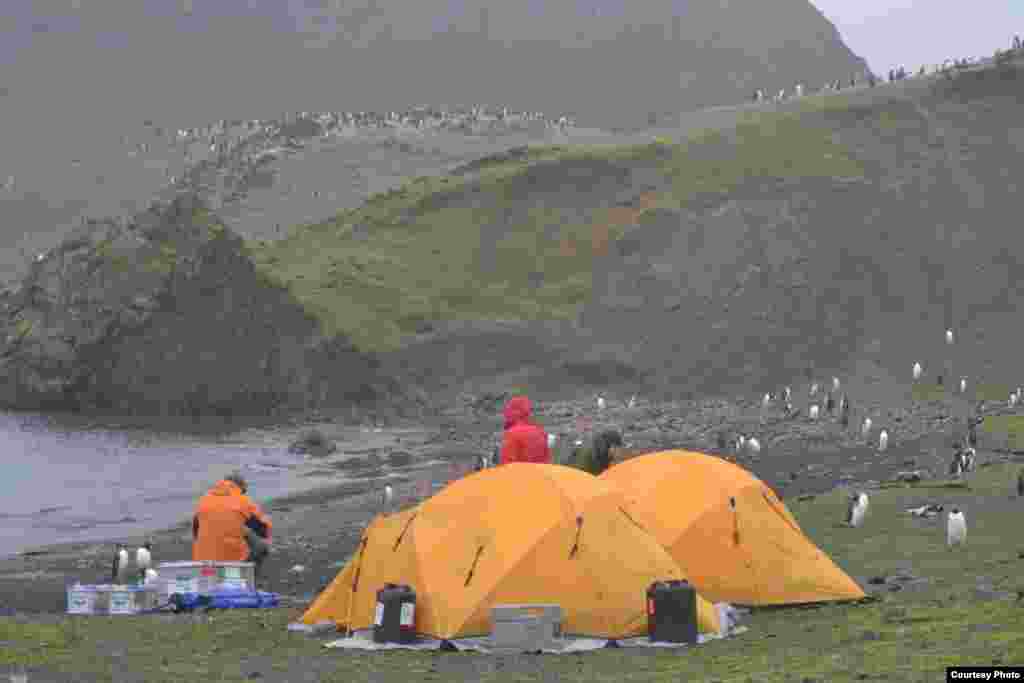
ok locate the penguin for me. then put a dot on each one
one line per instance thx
(151, 576)
(830, 404)
(600, 402)
(754, 446)
(1020, 484)
(969, 459)
(963, 385)
(917, 370)
(835, 384)
(119, 567)
(552, 441)
(144, 559)
(813, 411)
(865, 428)
(949, 336)
(721, 441)
(883, 441)
(1014, 399)
(857, 509)
(938, 380)
(956, 528)
(787, 394)
(387, 496)
(766, 400)
(957, 467)
(632, 401)
(814, 389)
(928, 511)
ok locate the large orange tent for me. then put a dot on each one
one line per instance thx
(728, 531)
(516, 534)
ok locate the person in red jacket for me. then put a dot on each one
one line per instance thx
(524, 441)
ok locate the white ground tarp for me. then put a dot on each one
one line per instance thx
(363, 640)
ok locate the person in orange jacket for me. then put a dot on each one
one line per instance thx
(229, 527)
(524, 441)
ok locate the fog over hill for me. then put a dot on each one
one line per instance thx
(593, 58)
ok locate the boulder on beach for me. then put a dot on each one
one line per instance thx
(166, 315)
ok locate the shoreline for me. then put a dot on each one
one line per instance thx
(318, 526)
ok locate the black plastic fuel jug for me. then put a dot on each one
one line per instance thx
(672, 612)
(395, 616)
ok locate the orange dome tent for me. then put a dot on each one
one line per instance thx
(728, 531)
(515, 534)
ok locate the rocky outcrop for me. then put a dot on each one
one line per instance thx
(166, 315)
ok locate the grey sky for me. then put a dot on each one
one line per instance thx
(887, 33)
(891, 33)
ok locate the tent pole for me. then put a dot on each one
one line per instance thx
(355, 583)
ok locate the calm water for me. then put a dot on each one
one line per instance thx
(63, 484)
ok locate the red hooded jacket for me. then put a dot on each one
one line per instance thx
(524, 441)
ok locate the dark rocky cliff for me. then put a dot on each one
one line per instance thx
(166, 316)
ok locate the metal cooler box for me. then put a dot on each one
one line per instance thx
(525, 628)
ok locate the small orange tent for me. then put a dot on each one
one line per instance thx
(515, 534)
(728, 531)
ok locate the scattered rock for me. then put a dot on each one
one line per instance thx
(987, 593)
(909, 477)
(297, 569)
(313, 443)
(871, 635)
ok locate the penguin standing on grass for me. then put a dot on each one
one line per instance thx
(119, 568)
(956, 528)
(957, 467)
(857, 509)
(144, 559)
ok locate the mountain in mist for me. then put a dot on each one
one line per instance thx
(609, 62)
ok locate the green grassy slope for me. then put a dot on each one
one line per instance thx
(519, 238)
